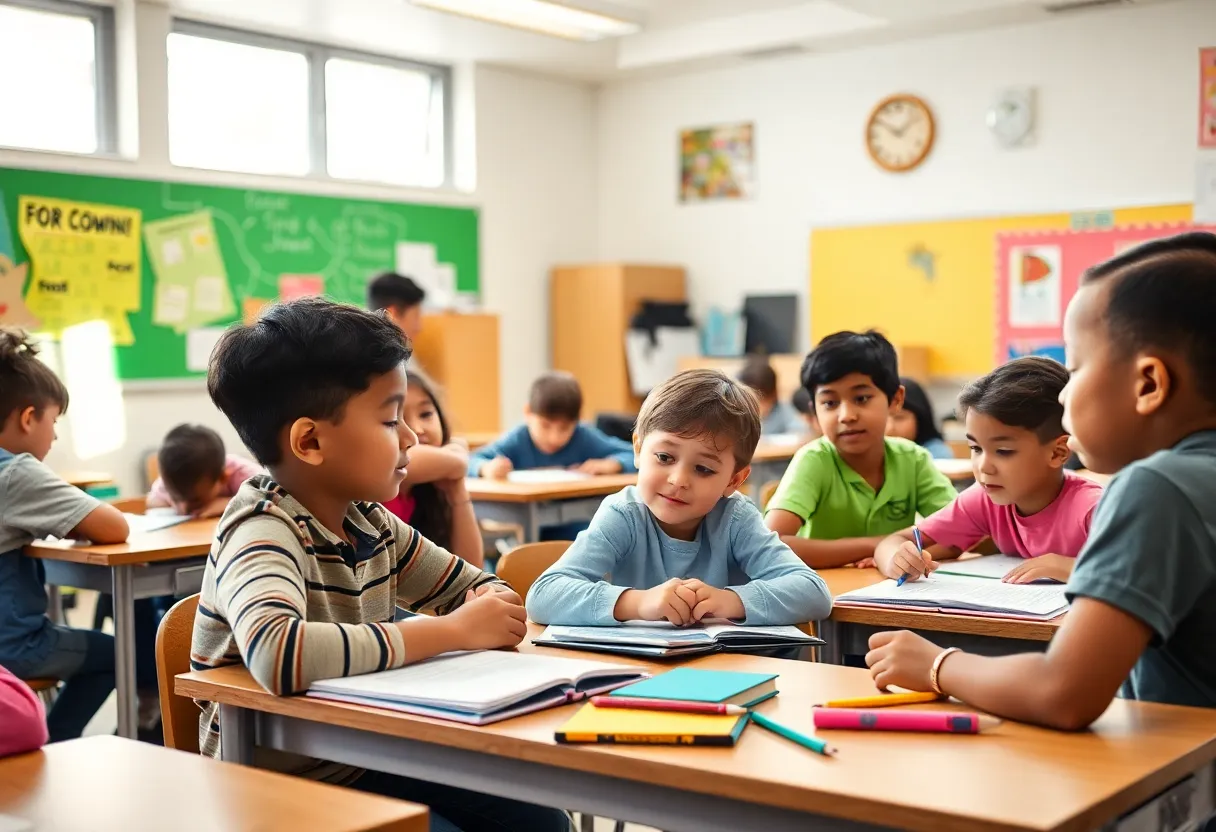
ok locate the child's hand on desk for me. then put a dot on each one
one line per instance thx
(1044, 567)
(497, 468)
(599, 466)
(488, 621)
(908, 561)
(501, 590)
(901, 658)
(864, 563)
(670, 601)
(715, 603)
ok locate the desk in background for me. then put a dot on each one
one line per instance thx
(958, 471)
(770, 461)
(534, 504)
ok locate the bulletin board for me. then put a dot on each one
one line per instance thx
(932, 284)
(169, 264)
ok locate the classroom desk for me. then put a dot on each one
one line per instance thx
(534, 504)
(957, 470)
(1012, 778)
(86, 479)
(108, 784)
(477, 440)
(164, 562)
(848, 629)
(770, 461)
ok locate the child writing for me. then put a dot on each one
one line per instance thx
(683, 544)
(843, 493)
(197, 477)
(915, 422)
(433, 498)
(316, 391)
(1022, 498)
(552, 437)
(776, 416)
(1141, 401)
(21, 715)
(35, 503)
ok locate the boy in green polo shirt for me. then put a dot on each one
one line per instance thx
(848, 489)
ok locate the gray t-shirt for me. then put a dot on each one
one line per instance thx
(1152, 554)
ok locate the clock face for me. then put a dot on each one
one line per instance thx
(899, 134)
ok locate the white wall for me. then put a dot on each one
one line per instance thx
(1117, 127)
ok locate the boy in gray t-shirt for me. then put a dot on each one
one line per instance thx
(1141, 347)
(35, 503)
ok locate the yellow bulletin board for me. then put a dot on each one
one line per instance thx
(879, 277)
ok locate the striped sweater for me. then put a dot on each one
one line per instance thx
(295, 603)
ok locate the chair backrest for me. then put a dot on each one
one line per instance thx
(151, 467)
(131, 505)
(521, 566)
(767, 491)
(179, 714)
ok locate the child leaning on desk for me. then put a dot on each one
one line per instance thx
(683, 544)
(1022, 497)
(307, 566)
(197, 476)
(1141, 401)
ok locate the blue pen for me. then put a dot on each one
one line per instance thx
(920, 548)
(816, 745)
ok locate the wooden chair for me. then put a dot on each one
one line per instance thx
(151, 468)
(179, 714)
(521, 566)
(45, 688)
(961, 448)
(767, 491)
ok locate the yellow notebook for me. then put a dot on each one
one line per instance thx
(625, 726)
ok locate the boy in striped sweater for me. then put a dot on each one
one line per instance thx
(307, 566)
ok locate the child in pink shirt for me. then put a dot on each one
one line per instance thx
(197, 477)
(1023, 498)
(24, 723)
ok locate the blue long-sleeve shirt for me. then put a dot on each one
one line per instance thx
(587, 443)
(624, 548)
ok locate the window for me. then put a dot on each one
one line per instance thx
(63, 54)
(245, 102)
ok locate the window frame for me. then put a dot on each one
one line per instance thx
(105, 68)
(316, 55)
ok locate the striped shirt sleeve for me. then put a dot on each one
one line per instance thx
(430, 578)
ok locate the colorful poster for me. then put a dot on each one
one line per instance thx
(191, 283)
(1207, 97)
(717, 163)
(292, 286)
(86, 263)
(13, 310)
(1034, 286)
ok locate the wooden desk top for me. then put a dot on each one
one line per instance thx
(108, 784)
(189, 539)
(846, 579)
(477, 440)
(1014, 777)
(501, 491)
(84, 479)
(777, 451)
(956, 469)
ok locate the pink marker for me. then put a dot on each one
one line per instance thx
(946, 722)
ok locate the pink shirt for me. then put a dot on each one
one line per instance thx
(1059, 529)
(237, 469)
(403, 507)
(21, 715)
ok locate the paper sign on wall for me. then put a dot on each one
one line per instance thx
(1207, 97)
(191, 282)
(292, 286)
(199, 344)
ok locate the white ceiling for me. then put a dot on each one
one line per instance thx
(677, 34)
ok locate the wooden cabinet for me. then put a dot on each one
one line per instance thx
(460, 352)
(590, 308)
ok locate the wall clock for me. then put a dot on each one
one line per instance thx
(899, 133)
(1011, 117)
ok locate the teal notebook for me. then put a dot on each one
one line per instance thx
(725, 687)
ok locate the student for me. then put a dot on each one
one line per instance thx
(196, 476)
(316, 390)
(35, 503)
(1022, 498)
(776, 416)
(1141, 401)
(433, 498)
(845, 492)
(683, 544)
(552, 437)
(400, 298)
(21, 715)
(801, 401)
(915, 422)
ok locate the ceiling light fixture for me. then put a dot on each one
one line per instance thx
(585, 22)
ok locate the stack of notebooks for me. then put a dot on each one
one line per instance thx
(963, 595)
(663, 640)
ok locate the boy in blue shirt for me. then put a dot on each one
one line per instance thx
(1141, 347)
(683, 544)
(551, 437)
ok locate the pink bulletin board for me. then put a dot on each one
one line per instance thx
(1038, 273)
(1207, 97)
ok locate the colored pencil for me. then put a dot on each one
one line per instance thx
(816, 745)
(640, 704)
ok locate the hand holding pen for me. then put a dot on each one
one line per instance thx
(911, 560)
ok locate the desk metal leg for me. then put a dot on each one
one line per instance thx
(832, 651)
(54, 604)
(532, 527)
(124, 650)
(236, 735)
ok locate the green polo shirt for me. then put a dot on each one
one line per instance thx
(834, 501)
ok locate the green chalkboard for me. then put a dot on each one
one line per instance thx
(261, 235)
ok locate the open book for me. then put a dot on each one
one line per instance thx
(989, 566)
(661, 639)
(963, 595)
(479, 688)
(153, 521)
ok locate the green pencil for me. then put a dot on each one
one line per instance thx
(818, 746)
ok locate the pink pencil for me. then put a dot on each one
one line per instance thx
(946, 722)
(666, 705)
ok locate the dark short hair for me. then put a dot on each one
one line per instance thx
(1025, 393)
(759, 375)
(841, 353)
(1163, 294)
(24, 380)
(392, 290)
(189, 455)
(704, 403)
(304, 358)
(917, 403)
(802, 402)
(556, 395)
